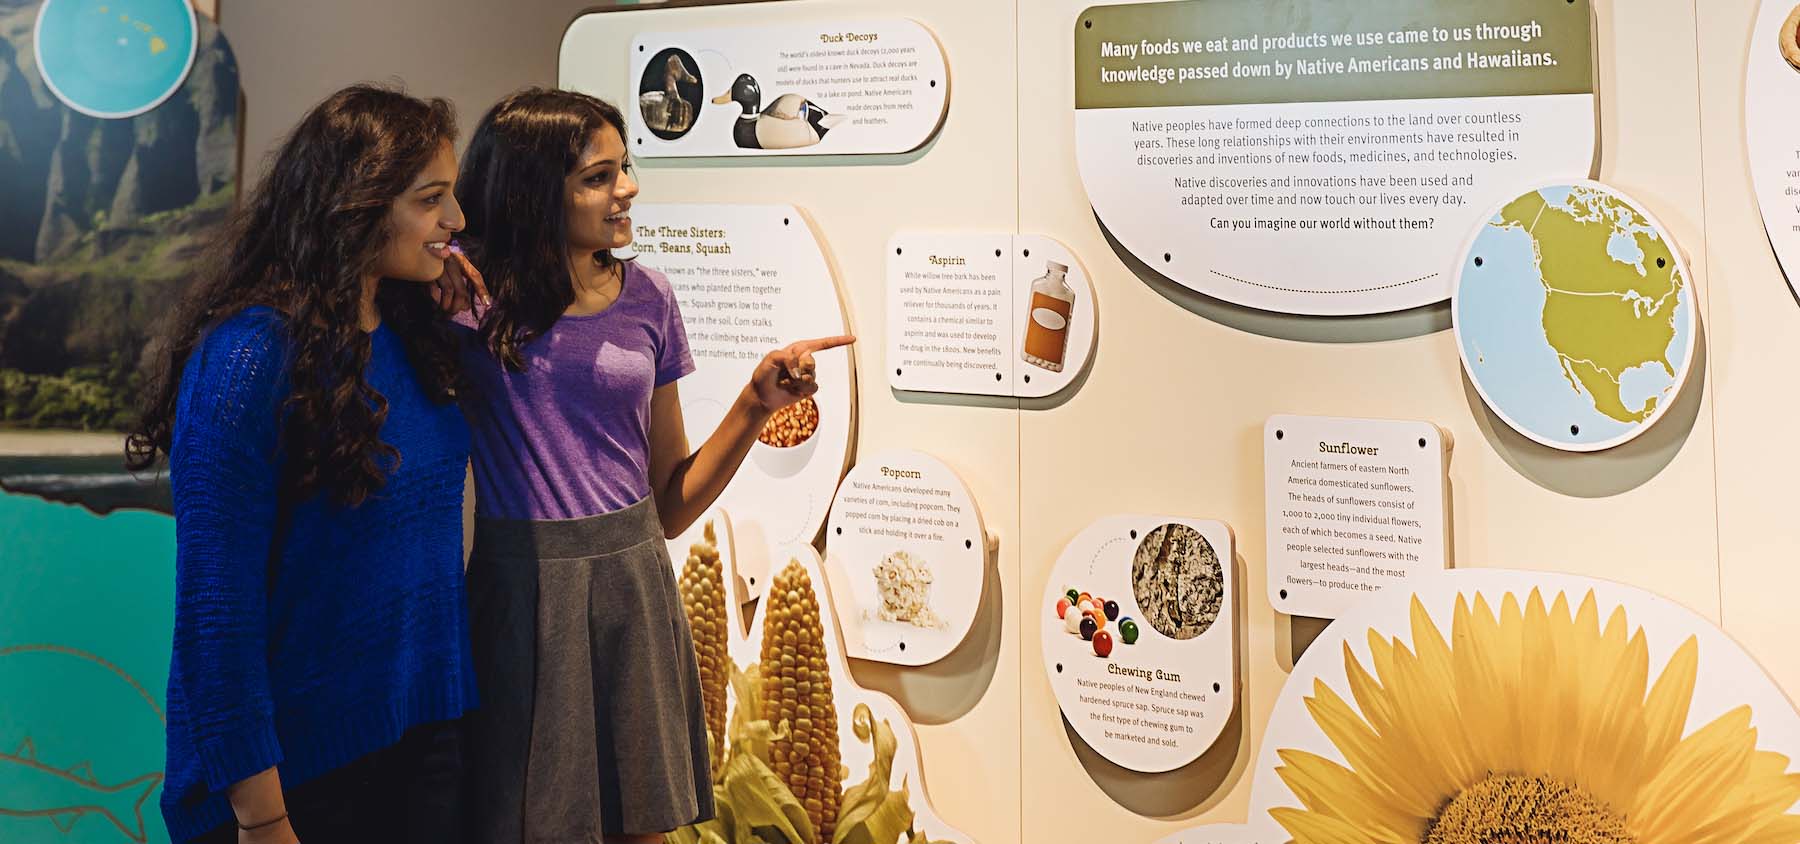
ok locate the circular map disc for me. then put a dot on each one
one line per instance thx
(1574, 316)
(115, 58)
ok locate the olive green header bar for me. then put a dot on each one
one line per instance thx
(1229, 52)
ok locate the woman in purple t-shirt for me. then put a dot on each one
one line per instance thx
(591, 722)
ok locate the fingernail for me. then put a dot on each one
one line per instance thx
(456, 247)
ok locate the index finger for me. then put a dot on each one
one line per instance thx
(822, 343)
(473, 275)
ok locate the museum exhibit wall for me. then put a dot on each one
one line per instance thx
(1166, 414)
(1169, 419)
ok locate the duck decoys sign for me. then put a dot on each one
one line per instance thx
(831, 88)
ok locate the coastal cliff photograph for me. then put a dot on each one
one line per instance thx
(103, 222)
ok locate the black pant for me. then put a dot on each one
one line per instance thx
(407, 793)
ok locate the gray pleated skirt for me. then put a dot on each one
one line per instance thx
(590, 719)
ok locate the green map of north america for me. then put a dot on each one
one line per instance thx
(1602, 316)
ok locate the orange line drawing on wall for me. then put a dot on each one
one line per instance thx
(64, 796)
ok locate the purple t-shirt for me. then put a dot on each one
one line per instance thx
(570, 435)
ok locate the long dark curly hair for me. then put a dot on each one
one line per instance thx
(301, 245)
(511, 192)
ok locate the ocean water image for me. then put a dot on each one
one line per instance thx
(87, 608)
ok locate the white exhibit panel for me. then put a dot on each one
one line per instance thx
(1490, 685)
(907, 551)
(1575, 317)
(1323, 157)
(1772, 128)
(751, 279)
(1138, 638)
(987, 314)
(830, 87)
(1355, 506)
(949, 326)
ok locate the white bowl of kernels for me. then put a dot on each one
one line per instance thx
(787, 442)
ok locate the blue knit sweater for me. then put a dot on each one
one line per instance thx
(355, 632)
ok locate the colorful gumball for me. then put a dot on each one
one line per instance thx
(1128, 630)
(1103, 644)
(1112, 610)
(1088, 627)
(1074, 596)
(1062, 607)
(1071, 623)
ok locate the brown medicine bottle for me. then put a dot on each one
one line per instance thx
(1047, 321)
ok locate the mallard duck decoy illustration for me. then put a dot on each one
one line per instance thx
(790, 122)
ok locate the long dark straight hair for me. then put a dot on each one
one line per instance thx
(301, 245)
(511, 191)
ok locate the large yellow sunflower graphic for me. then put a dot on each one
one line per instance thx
(1531, 726)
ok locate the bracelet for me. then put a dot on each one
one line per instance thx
(270, 822)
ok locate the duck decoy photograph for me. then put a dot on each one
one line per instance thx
(669, 94)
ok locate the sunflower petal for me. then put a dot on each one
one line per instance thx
(1764, 794)
(1370, 697)
(1312, 828)
(1666, 710)
(1480, 693)
(1436, 684)
(1539, 737)
(1325, 787)
(1784, 829)
(1698, 777)
(1610, 767)
(1375, 759)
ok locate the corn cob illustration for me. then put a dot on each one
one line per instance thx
(797, 691)
(703, 597)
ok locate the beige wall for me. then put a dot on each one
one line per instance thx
(1169, 419)
(291, 55)
(1755, 331)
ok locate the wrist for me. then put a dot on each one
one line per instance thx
(265, 823)
(750, 404)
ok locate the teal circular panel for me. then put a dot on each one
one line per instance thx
(115, 58)
(1574, 316)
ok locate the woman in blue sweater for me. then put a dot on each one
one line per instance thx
(305, 401)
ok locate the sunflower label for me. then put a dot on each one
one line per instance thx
(1137, 627)
(1355, 506)
(876, 86)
